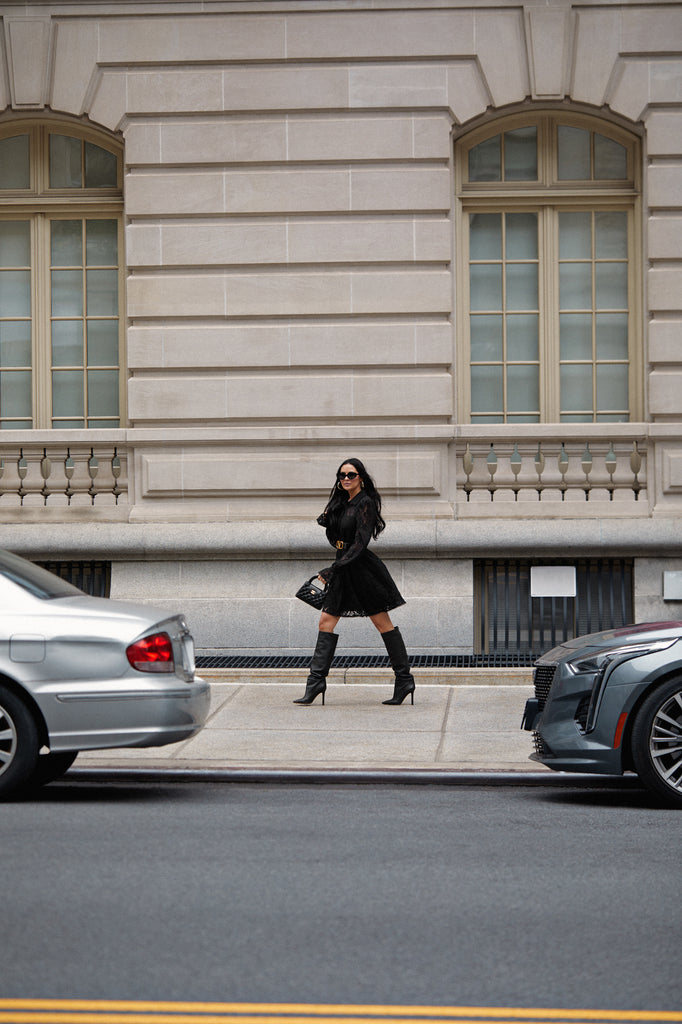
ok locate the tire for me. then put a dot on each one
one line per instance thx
(657, 742)
(51, 766)
(19, 743)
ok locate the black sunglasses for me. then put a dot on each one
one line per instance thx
(347, 476)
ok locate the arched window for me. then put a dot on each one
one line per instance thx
(60, 278)
(549, 290)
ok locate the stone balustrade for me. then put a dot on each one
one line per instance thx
(63, 480)
(587, 472)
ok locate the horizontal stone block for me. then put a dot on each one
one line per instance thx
(196, 472)
(664, 132)
(643, 32)
(665, 186)
(665, 341)
(282, 294)
(180, 398)
(397, 85)
(665, 388)
(361, 138)
(298, 344)
(401, 188)
(665, 288)
(181, 90)
(396, 395)
(665, 237)
(383, 34)
(238, 242)
(285, 88)
(191, 39)
(665, 85)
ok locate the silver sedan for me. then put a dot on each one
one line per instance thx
(86, 673)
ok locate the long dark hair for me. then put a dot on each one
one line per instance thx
(338, 498)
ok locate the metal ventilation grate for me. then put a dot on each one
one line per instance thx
(368, 661)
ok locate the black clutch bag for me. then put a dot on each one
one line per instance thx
(313, 592)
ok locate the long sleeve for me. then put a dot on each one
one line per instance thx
(365, 518)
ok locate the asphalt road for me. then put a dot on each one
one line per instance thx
(505, 896)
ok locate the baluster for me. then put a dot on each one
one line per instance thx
(539, 461)
(516, 462)
(491, 466)
(468, 467)
(32, 484)
(77, 471)
(563, 463)
(587, 462)
(45, 471)
(611, 462)
(635, 466)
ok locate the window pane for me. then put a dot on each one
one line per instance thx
(575, 236)
(575, 285)
(67, 342)
(611, 235)
(15, 393)
(486, 286)
(485, 161)
(523, 389)
(103, 392)
(521, 242)
(612, 388)
(65, 162)
(574, 154)
(67, 393)
(522, 286)
(66, 243)
(102, 288)
(612, 285)
(612, 335)
(15, 293)
(485, 236)
(576, 335)
(103, 342)
(521, 154)
(610, 159)
(15, 243)
(522, 336)
(487, 389)
(67, 293)
(14, 162)
(101, 246)
(100, 167)
(15, 343)
(486, 339)
(576, 388)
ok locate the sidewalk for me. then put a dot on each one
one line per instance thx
(454, 726)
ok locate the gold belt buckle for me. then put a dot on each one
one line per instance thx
(340, 545)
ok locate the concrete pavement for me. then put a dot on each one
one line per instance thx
(461, 721)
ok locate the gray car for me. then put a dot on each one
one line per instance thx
(86, 673)
(611, 703)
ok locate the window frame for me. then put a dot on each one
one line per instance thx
(40, 205)
(548, 196)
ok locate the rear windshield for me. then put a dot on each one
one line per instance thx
(37, 581)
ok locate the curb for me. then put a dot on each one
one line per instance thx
(397, 776)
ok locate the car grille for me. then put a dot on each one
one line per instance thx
(542, 681)
(543, 677)
(581, 712)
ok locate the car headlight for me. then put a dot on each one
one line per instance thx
(596, 663)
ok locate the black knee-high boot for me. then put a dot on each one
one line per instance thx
(400, 663)
(320, 663)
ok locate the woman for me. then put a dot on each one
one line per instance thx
(359, 582)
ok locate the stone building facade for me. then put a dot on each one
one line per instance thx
(243, 240)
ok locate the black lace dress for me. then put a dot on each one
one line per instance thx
(359, 582)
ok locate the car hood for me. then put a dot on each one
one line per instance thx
(624, 635)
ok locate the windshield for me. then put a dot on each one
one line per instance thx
(32, 578)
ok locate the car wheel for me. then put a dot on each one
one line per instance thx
(52, 766)
(19, 743)
(657, 742)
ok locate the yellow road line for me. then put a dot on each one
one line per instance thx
(84, 1011)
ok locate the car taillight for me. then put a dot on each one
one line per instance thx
(152, 654)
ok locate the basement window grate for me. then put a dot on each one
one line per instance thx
(93, 577)
(367, 661)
